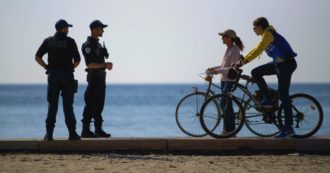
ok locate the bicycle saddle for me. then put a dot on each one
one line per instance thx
(248, 78)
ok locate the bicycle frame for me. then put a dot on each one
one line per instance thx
(259, 115)
(247, 93)
(245, 90)
(208, 90)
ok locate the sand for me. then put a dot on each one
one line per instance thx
(154, 163)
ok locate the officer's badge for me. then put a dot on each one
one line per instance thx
(88, 50)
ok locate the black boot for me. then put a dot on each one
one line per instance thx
(73, 136)
(102, 134)
(99, 131)
(49, 134)
(48, 137)
(86, 132)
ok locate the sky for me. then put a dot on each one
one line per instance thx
(163, 41)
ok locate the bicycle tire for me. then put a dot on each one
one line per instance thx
(300, 118)
(255, 123)
(193, 127)
(239, 116)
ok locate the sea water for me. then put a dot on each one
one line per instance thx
(131, 110)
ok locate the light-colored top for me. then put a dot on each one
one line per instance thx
(231, 56)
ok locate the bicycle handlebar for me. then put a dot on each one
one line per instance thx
(234, 74)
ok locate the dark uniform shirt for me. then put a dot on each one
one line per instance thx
(61, 49)
(93, 51)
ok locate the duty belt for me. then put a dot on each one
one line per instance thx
(95, 70)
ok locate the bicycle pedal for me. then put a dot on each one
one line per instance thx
(268, 119)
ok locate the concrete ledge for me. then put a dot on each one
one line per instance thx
(231, 144)
(313, 145)
(319, 144)
(19, 145)
(105, 145)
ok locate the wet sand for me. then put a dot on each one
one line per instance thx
(142, 163)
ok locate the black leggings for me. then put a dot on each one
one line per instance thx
(284, 72)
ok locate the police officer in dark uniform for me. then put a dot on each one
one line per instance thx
(94, 55)
(63, 58)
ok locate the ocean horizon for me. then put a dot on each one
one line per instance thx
(131, 110)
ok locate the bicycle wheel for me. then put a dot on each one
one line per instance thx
(254, 121)
(213, 115)
(307, 115)
(187, 114)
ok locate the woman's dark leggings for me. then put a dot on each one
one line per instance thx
(284, 72)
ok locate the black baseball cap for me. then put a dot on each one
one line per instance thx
(60, 24)
(97, 24)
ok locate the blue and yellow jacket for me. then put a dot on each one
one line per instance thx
(275, 46)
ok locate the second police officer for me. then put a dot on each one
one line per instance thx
(95, 56)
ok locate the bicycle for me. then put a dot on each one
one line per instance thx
(188, 109)
(307, 112)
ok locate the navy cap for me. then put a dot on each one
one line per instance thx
(60, 24)
(96, 24)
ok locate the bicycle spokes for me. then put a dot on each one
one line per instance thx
(258, 122)
(307, 115)
(188, 113)
(227, 117)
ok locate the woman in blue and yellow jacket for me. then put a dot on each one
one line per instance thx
(283, 65)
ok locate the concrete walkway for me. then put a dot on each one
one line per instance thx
(316, 144)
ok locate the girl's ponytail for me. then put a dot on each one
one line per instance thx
(239, 43)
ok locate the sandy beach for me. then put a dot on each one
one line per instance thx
(111, 162)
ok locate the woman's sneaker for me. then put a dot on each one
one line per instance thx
(286, 132)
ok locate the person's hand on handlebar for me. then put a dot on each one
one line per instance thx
(238, 64)
(209, 73)
(212, 70)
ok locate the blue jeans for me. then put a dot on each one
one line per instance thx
(284, 72)
(60, 81)
(227, 107)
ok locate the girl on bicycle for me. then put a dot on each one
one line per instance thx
(283, 65)
(232, 55)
